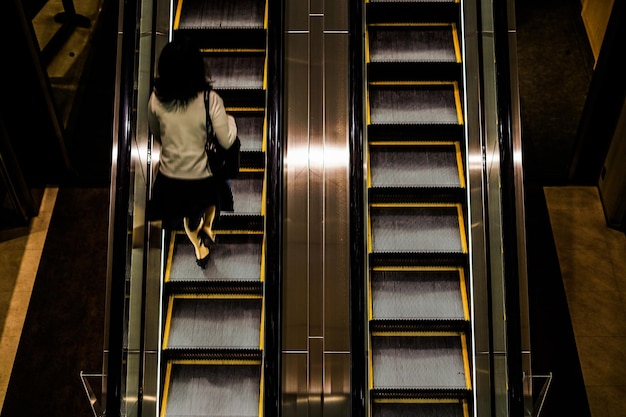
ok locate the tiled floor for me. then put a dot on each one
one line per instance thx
(593, 267)
(19, 260)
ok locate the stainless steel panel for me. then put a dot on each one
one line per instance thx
(336, 384)
(336, 190)
(295, 402)
(296, 171)
(317, 174)
(316, 376)
(316, 296)
(478, 285)
(296, 16)
(336, 16)
(317, 7)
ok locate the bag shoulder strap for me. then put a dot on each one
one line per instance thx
(210, 133)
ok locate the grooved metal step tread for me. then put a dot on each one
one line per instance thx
(415, 43)
(205, 321)
(238, 70)
(411, 362)
(250, 128)
(234, 259)
(414, 103)
(212, 389)
(204, 14)
(436, 165)
(419, 294)
(247, 190)
(416, 229)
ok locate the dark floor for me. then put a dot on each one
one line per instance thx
(555, 67)
(63, 331)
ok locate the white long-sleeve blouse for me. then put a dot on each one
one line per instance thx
(182, 134)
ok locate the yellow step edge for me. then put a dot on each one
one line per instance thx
(237, 232)
(231, 50)
(420, 333)
(416, 268)
(216, 296)
(459, 164)
(466, 365)
(244, 109)
(417, 83)
(215, 362)
(433, 400)
(410, 24)
(413, 143)
(457, 46)
(415, 205)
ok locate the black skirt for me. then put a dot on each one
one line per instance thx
(174, 199)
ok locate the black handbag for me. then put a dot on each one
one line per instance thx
(223, 163)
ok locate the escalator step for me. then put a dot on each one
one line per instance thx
(420, 103)
(212, 390)
(205, 14)
(432, 165)
(416, 362)
(418, 294)
(249, 128)
(247, 191)
(418, 259)
(417, 229)
(236, 260)
(204, 322)
(417, 43)
(236, 70)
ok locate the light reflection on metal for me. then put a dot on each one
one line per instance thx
(328, 156)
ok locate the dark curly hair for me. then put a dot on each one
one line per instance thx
(182, 72)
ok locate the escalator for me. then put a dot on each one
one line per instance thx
(213, 336)
(418, 324)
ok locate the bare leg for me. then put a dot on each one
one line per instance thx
(202, 252)
(207, 226)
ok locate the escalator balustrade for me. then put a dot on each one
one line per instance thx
(418, 308)
(213, 335)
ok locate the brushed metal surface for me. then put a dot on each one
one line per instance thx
(296, 172)
(336, 189)
(315, 282)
